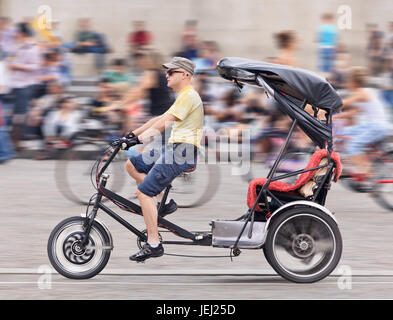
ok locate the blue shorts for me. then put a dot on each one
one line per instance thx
(162, 166)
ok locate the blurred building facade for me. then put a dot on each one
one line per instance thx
(241, 28)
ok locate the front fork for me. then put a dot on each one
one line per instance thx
(90, 218)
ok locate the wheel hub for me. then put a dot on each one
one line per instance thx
(303, 246)
(75, 252)
(77, 248)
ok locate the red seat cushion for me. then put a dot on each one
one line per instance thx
(303, 179)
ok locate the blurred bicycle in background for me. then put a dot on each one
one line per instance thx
(380, 155)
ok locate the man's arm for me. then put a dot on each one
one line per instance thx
(159, 125)
(146, 126)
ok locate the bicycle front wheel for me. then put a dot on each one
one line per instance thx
(70, 257)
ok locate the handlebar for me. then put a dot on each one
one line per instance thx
(122, 143)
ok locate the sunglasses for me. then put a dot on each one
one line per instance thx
(170, 72)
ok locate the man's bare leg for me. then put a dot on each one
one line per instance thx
(135, 174)
(150, 216)
(138, 176)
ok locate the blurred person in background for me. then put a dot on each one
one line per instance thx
(41, 107)
(366, 119)
(201, 85)
(152, 88)
(60, 125)
(23, 67)
(7, 37)
(101, 108)
(139, 38)
(288, 45)
(190, 48)
(63, 65)
(118, 75)
(229, 110)
(388, 48)
(89, 41)
(375, 50)
(341, 66)
(278, 124)
(207, 58)
(6, 148)
(252, 116)
(47, 72)
(327, 40)
(190, 29)
(386, 81)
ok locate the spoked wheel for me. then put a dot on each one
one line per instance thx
(77, 162)
(196, 188)
(383, 178)
(303, 245)
(70, 257)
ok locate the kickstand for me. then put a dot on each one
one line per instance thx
(251, 224)
(236, 251)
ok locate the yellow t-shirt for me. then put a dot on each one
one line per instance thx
(188, 108)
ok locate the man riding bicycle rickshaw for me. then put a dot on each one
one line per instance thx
(154, 170)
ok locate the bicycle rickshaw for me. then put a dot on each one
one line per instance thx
(298, 235)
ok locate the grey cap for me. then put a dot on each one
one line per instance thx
(180, 62)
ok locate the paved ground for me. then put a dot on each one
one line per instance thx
(32, 206)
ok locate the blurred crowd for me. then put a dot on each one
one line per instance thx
(36, 74)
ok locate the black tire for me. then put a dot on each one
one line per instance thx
(383, 171)
(62, 256)
(78, 160)
(298, 233)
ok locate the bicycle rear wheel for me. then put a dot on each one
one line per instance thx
(383, 178)
(303, 245)
(77, 162)
(196, 188)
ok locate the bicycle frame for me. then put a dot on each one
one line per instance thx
(197, 238)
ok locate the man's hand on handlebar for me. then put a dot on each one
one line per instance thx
(130, 135)
(126, 143)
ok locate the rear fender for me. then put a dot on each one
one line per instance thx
(298, 203)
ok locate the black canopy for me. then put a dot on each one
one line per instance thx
(292, 88)
(301, 83)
